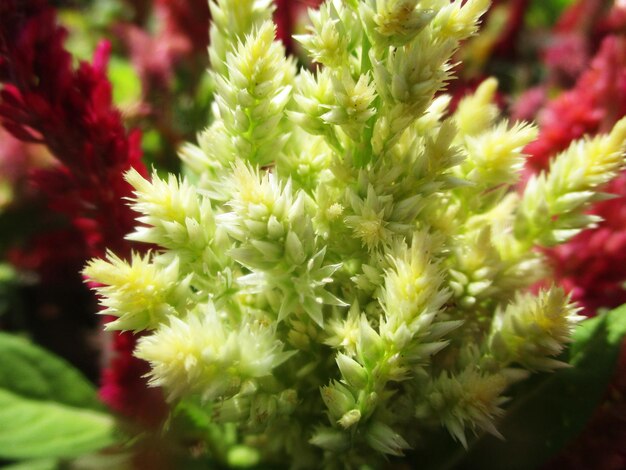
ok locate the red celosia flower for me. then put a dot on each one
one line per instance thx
(46, 100)
(578, 35)
(506, 45)
(593, 264)
(123, 387)
(186, 19)
(70, 111)
(593, 105)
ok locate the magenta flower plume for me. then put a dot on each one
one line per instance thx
(45, 100)
(578, 35)
(182, 35)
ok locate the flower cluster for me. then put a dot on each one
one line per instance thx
(345, 265)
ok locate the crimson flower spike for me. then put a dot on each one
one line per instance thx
(45, 100)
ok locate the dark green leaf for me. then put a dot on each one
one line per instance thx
(36, 429)
(32, 372)
(39, 464)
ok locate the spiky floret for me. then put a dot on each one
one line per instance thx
(231, 21)
(495, 156)
(477, 112)
(174, 215)
(253, 81)
(251, 95)
(328, 43)
(470, 399)
(394, 22)
(277, 242)
(347, 264)
(414, 290)
(532, 330)
(141, 293)
(204, 354)
(562, 195)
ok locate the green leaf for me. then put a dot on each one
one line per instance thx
(35, 429)
(39, 464)
(32, 372)
(551, 409)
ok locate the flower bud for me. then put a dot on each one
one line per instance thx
(352, 372)
(338, 399)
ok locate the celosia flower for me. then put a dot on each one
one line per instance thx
(577, 37)
(383, 285)
(44, 100)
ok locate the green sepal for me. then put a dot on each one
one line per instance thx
(38, 464)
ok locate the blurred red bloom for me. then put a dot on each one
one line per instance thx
(592, 265)
(288, 16)
(182, 30)
(45, 100)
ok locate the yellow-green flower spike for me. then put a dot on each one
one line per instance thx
(346, 266)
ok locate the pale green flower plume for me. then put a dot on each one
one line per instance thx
(205, 355)
(346, 265)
